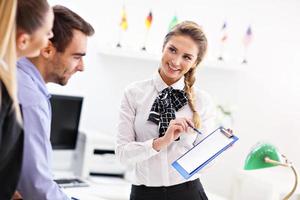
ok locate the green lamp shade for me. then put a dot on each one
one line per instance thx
(256, 158)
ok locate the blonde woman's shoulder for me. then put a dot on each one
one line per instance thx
(139, 86)
(203, 97)
(201, 93)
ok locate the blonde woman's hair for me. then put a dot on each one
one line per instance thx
(194, 31)
(8, 54)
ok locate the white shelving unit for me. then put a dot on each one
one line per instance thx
(151, 57)
(130, 54)
(224, 65)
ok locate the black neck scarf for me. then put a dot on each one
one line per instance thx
(164, 107)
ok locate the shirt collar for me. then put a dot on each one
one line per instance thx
(29, 68)
(160, 84)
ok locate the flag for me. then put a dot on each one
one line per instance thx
(173, 23)
(148, 20)
(248, 37)
(223, 40)
(224, 35)
(124, 24)
(246, 41)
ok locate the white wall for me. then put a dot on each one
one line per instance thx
(266, 93)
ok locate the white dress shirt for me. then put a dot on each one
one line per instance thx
(135, 134)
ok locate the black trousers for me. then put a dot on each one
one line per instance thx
(191, 190)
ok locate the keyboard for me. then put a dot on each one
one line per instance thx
(70, 182)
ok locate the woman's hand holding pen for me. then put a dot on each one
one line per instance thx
(175, 129)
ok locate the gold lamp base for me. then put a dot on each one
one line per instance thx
(289, 165)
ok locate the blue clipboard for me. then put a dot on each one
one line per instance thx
(204, 152)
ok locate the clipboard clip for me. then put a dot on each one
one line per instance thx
(226, 132)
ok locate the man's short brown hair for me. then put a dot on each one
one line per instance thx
(65, 21)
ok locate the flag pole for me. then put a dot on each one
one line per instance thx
(148, 23)
(247, 40)
(223, 40)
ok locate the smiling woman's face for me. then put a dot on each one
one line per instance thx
(179, 56)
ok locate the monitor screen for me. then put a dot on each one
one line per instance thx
(66, 112)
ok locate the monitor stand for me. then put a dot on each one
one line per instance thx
(62, 160)
(63, 171)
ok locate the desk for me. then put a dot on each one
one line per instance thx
(103, 188)
(264, 184)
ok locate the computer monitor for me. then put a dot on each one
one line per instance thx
(66, 112)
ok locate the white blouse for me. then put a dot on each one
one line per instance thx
(135, 134)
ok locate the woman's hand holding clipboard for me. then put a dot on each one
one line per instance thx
(204, 152)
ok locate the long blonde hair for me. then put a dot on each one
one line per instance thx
(8, 54)
(193, 30)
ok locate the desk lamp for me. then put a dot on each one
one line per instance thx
(265, 155)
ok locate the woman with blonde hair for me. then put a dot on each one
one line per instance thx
(155, 117)
(25, 27)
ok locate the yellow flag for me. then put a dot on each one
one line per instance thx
(124, 24)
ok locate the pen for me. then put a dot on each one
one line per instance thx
(194, 128)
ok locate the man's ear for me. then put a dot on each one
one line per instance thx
(23, 40)
(49, 51)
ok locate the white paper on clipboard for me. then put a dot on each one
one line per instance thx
(205, 151)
